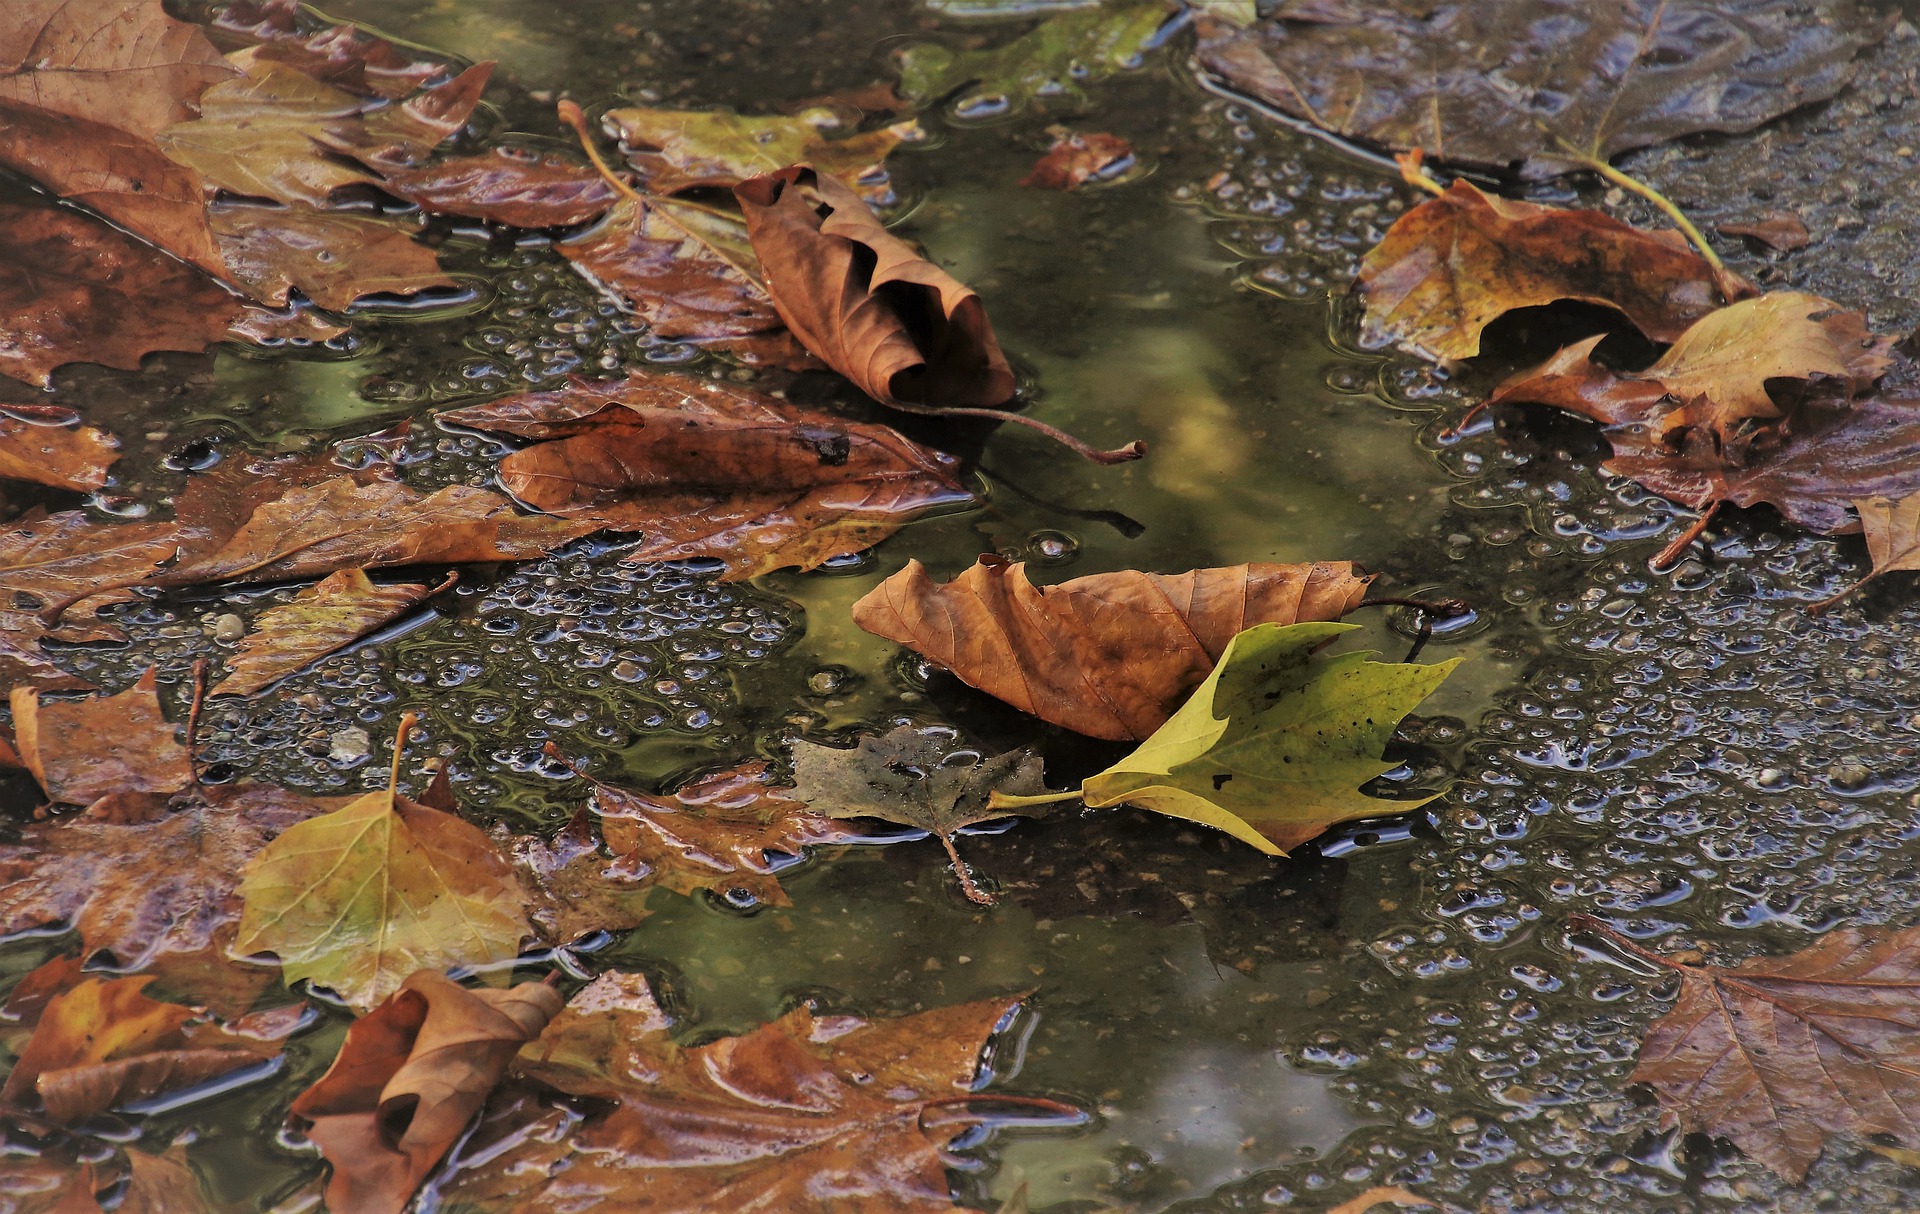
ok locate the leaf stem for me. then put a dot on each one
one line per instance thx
(1414, 172)
(1632, 184)
(407, 722)
(1118, 455)
(975, 895)
(571, 114)
(1588, 923)
(1671, 553)
(1002, 800)
(193, 717)
(1830, 600)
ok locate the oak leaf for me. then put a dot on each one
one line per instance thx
(339, 610)
(1057, 58)
(409, 1078)
(1779, 1054)
(1076, 158)
(1456, 263)
(706, 469)
(1534, 83)
(1110, 655)
(681, 149)
(519, 187)
(1717, 372)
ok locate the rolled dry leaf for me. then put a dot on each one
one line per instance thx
(867, 304)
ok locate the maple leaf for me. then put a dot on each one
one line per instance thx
(520, 187)
(1893, 538)
(1456, 263)
(1273, 747)
(707, 469)
(1076, 158)
(361, 897)
(1110, 655)
(1527, 82)
(331, 615)
(409, 1077)
(1057, 58)
(681, 149)
(1718, 369)
(806, 1114)
(1778, 1054)
(333, 257)
(920, 778)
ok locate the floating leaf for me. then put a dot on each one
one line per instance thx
(333, 614)
(1077, 158)
(345, 56)
(1059, 57)
(1110, 655)
(333, 257)
(50, 563)
(680, 149)
(47, 445)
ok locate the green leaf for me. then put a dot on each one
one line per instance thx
(1274, 746)
(1055, 59)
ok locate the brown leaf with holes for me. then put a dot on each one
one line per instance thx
(410, 1076)
(1110, 655)
(867, 303)
(339, 610)
(1716, 374)
(1454, 264)
(1077, 158)
(707, 469)
(519, 187)
(1780, 1054)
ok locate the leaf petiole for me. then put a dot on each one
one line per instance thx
(1632, 184)
(1000, 800)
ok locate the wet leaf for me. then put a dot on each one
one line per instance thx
(519, 187)
(1059, 57)
(1502, 82)
(865, 302)
(345, 56)
(403, 135)
(1077, 158)
(1111, 655)
(83, 750)
(1716, 374)
(359, 898)
(1274, 746)
(51, 562)
(165, 1184)
(333, 257)
(1782, 231)
(1383, 1195)
(1893, 537)
(804, 1115)
(916, 777)
(47, 445)
(1454, 264)
(1779, 1054)
(575, 888)
(679, 149)
(409, 1078)
(706, 469)
(339, 610)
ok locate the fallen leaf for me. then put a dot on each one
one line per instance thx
(917, 777)
(165, 1184)
(1111, 655)
(1505, 82)
(1383, 1195)
(85, 88)
(403, 135)
(1782, 231)
(1893, 538)
(345, 56)
(680, 149)
(52, 562)
(334, 257)
(1779, 1054)
(1077, 158)
(519, 187)
(574, 887)
(339, 610)
(804, 1115)
(1057, 58)
(361, 897)
(1454, 264)
(409, 1078)
(707, 469)
(82, 750)
(1717, 371)
(1274, 746)
(865, 302)
(47, 445)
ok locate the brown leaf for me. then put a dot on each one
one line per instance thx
(344, 56)
(409, 1078)
(1079, 157)
(49, 563)
(864, 301)
(1383, 1195)
(1110, 655)
(47, 445)
(403, 135)
(164, 1184)
(1778, 1054)
(681, 149)
(572, 884)
(333, 257)
(519, 187)
(1454, 264)
(331, 615)
(1780, 230)
(706, 469)
(1718, 369)
(85, 86)
(1893, 537)
(82, 750)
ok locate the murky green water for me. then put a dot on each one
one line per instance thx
(1687, 753)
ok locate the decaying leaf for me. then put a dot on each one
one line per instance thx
(361, 897)
(409, 1078)
(1382, 1195)
(1783, 231)
(1779, 1054)
(1274, 746)
(1504, 82)
(1716, 374)
(1454, 264)
(1077, 158)
(924, 778)
(333, 257)
(1893, 537)
(1059, 57)
(339, 610)
(345, 56)
(707, 469)
(519, 187)
(680, 149)
(83, 750)
(49, 563)
(1110, 655)
(47, 445)
(805, 1115)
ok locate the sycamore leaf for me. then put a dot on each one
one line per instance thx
(1717, 370)
(1110, 655)
(409, 1077)
(82, 750)
(1059, 57)
(1454, 264)
(681, 149)
(47, 445)
(917, 777)
(519, 187)
(1274, 746)
(1779, 1054)
(345, 56)
(331, 615)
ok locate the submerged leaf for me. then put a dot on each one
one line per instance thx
(1110, 655)
(681, 149)
(1077, 158)
(1274, 746)
(1059, 57)
(341, 609)
(519, 187)
(82, 750)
